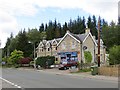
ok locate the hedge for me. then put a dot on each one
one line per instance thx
(45, 61)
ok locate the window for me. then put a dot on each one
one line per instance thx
(56, 59)
(48, 49)
(42, 50)
(73, 44)
(63, 45)
(56, 48)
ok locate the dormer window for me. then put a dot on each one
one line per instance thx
(39, 50)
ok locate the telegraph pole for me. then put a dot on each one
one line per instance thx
(99, 42)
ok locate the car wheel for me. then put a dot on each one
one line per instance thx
(65, 68)
(76, 66)
(59, 68)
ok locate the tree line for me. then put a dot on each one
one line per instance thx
(26, 39)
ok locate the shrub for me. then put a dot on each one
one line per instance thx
(45, 61)
(25, 60)
(88, 56)
(15, 57)
(114, 55)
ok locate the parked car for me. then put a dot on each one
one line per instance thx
(67, 65)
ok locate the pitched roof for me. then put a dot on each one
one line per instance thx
(78, 37)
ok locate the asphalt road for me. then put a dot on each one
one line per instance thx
(37, 79)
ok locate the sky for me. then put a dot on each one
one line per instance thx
(19, 14)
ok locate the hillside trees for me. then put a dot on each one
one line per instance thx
(111, 35)
(24, 41)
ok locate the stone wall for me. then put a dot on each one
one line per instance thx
(70, 45)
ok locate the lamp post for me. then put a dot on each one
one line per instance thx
(99, 42)
(33, 53)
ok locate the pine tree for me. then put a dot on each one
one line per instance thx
(49, 31)
(7, 48)
(94, 27)
(70, 24)
(83, 26)
(22, 43)
(65, 28)
(46, 26)
(41, 29)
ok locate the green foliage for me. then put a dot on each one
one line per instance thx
(88, 56)
(34, 35)
(15, 57)
(114, 55)
(23, 44)
(111, 35)
(92, 25)
(31, 63)
(5, 59)
(8, 48)
(45, 61)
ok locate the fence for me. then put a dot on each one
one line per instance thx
(109, 70)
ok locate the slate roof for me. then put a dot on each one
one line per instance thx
(79, 37)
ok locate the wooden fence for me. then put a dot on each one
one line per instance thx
(109, 70)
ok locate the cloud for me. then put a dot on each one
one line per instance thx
(30, 7)
(106, 9)
(8, 24)
(10, 9)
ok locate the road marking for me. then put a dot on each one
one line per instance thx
(10, 82)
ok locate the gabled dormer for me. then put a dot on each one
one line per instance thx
(40, 45)
(54, 42)
(48, 44)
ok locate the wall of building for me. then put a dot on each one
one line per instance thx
(70, 45)
(47, 52)
(90, 47)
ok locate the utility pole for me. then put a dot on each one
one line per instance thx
(99, 42)
(34, 50)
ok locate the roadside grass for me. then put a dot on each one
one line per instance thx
(82, 70)
(6, 66)
(9, 66)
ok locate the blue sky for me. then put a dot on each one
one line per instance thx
(19, 14)
(45, 15)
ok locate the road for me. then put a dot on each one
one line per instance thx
(39, 79)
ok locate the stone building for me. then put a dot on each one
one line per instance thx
(72, 47)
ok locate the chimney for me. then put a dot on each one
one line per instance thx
(87, 31)
(68, 31)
